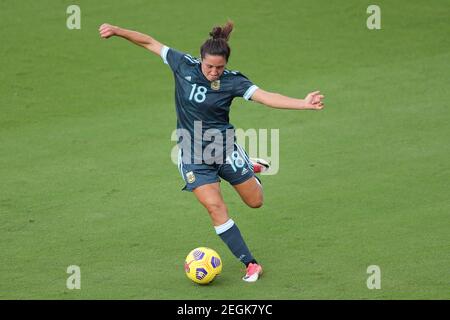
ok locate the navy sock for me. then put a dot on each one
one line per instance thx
(233, 239)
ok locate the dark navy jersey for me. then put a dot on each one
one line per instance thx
(203, 106)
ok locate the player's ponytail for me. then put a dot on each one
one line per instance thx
(222, 32)
(217, 45)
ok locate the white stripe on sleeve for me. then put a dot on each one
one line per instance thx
(250, 91)
(164, 51)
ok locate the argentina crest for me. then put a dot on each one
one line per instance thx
(215, 85)
(190, 176)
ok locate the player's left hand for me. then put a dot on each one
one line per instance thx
(314, 101)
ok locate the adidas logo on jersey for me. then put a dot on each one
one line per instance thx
(244, 171)
(188, 78)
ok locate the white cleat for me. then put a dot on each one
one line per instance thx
(259, 165)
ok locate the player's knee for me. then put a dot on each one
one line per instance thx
(256, 203)
(215, 208)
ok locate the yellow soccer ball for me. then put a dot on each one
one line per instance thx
(202, 265)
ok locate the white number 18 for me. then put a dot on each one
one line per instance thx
(198, 96)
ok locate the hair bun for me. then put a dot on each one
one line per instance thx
(222, 32)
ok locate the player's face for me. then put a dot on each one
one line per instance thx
(213, 66)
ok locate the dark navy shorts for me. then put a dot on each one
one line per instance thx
(236, 170)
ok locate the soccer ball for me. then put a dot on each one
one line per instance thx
(202, 265)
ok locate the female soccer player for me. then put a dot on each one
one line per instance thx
(204, 90)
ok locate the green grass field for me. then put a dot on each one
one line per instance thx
(87, 180)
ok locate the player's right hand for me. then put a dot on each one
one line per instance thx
(106, 30)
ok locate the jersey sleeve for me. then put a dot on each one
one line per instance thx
(243, 87)
(172, 57)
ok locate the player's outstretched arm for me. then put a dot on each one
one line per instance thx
(313, 101)
(106, 31)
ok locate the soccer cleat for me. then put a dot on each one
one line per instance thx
(254, 270)
(259, 165)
